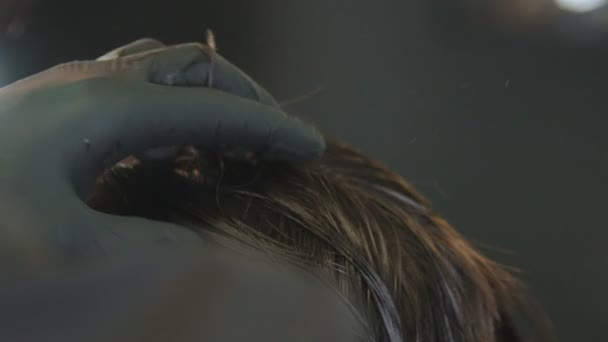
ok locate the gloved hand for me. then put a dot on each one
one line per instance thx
(60, 128)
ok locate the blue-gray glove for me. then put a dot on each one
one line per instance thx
(59, 129)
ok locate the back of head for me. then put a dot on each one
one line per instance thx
(403, 268)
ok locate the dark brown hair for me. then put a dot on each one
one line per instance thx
(406, 269)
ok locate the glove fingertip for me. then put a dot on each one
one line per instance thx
(299, 143)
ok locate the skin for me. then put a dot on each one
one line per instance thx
(59, 129)
(183, 295)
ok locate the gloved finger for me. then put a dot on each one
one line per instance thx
(134, 48)
(120, 118)
(194, 64)
(138, 46)
(197, 65)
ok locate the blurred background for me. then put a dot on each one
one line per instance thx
(495, 109)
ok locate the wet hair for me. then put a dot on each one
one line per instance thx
(406, 271)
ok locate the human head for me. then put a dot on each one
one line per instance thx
(403, 268)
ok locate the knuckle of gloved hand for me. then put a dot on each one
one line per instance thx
(195, 64)
(180, 65)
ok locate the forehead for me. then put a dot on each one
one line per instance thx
(212, 294)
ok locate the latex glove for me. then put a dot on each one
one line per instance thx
(60, 128)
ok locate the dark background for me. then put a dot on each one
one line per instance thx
(495, 111)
